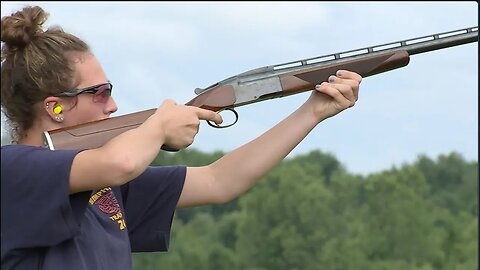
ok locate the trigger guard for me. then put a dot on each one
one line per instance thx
(212, 124)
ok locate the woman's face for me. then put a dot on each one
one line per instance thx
(89, 107)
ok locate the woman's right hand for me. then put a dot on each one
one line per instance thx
(180, 123)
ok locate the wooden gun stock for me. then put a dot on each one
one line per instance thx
(97, 133)
(94, 134)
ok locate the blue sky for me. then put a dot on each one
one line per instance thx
(157, 50)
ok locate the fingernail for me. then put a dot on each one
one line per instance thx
(331, 78)
(317, 86)
(339, 73)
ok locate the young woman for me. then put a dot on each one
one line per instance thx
(89, 209)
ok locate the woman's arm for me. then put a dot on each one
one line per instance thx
(126, 156)
(238, 171)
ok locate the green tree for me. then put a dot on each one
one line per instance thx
(285, 220)
(453, 182)
(310, 213)
(400, 226)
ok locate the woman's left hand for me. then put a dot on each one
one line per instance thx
(339, 93)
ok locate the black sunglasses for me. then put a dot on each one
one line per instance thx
(101, 92)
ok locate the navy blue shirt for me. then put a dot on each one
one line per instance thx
(44, 227)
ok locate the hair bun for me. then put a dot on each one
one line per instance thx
(21, 27)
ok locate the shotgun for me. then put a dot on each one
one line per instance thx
(266, 83)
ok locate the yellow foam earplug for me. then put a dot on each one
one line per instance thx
(57, 109)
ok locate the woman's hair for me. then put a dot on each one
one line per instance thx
(35, 64)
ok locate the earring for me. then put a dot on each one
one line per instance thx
(59, 118)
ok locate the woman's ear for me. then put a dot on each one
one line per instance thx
(53, 107)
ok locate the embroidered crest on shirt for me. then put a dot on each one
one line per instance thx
(105, 200)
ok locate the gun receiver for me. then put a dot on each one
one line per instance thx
(266, 83)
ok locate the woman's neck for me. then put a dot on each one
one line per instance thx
(33, 136)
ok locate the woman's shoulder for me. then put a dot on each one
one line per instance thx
(25, 161)
(14, 154)
(19, 149)
(33, 155)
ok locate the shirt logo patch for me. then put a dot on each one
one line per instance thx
(108, 203)
(105, 200)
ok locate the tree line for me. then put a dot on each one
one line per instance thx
(311, 213)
